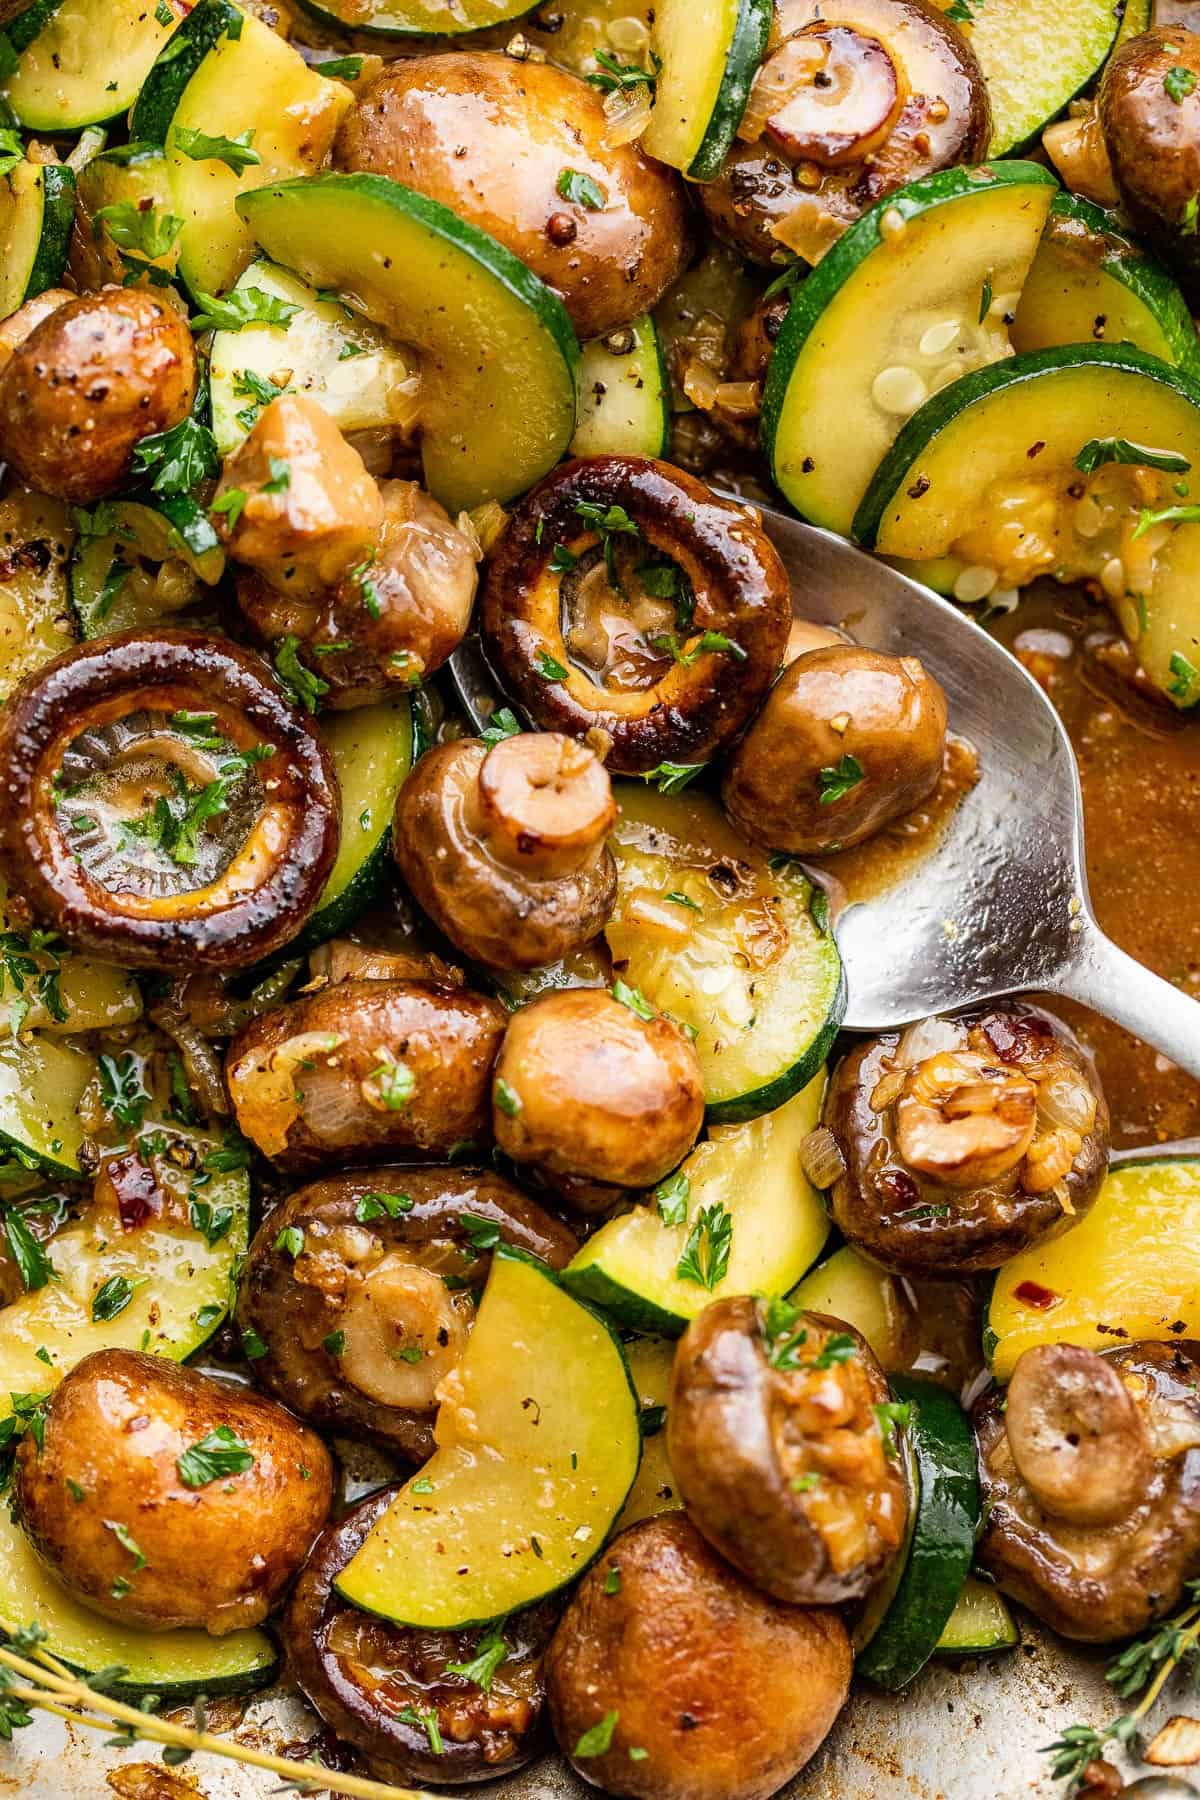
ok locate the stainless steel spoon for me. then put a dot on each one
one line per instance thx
(1000, 905)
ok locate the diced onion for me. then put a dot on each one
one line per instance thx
(1067, 1103)
(700, 384)
(821, 1157)
(628, 113)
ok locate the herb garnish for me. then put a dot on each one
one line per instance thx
(220, 1452)
(705, 1258)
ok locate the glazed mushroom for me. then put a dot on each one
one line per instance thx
(778, 1453)
(162, 1498)
(848, 741)
(87, 384)
(595, 1098)
(625, 596)
(395, 1694)
(506, 848)
(1091, 1485)
(361, 1291)
(1153, 139)
(855, 99)
(498, 142)
(163, 804)
(963, 1140)
(369, 582)
(725, 1692)
(365, 1069)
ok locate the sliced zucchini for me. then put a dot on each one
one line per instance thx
(35, 616)
(744, 960)
(128, 175)
(325, 351)
(1136, 18)
(650, 1361)
(849, 1287)
(589, 966)
(1036, 56)
(1126, 1273)
(489, 331)
(752, 1175)
(624, 394)
(1007, 439)
(135, 572)
(42, 1081)
(944, 1514)
(710, 51)
(981, 1623)
(913, 297)
(372, 754)
(67, 993)
(225, 73)
(1091, 283)
(537, 1451)
(37, 210)
(415, 18)
(82, 61)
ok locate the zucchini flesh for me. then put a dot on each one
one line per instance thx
(83, 61)
(624, 398)
(371, 748)
(524, 1495)
(910, 300)
(755, 974)
(133, 174)
(710, 52)
(943, 1520)
(1036, 56)
(328, 353)
(88, 995)
(415, 18)
(629, 1267)
(980, 1624)
(847, 1286)
(490, 333)
(37, 209)
(115, 578)
(35, 618)
(650, 1361)
(1128, 1267)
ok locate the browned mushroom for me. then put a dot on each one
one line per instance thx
(1091, 1485)
(857, 98)
(93, 378)
(365, 1069)
(506, 849)
(625, 596)
(848, 741)
(1151, 129)
(776, 1447)
(163, 803)
(962, 1140)
(363, 1313)
(594, 1097)
(402, 1697)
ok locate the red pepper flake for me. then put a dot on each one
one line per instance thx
(1034, 1294)
(135, 1190)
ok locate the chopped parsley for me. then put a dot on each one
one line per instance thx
(1185, 678)
(179, 459)
(705, 1258)
(1178, 83)
(126, 1540)
(490, 1651)
(507, 1098)
(122, 1092)
(231, 505)
(345, 68)
(1099, 451)
(672, 777)
(234, 152)
(382, 1206)
(892, 1416)
(597, 1741)
(220, 1452)
(212, 1222)
(671, 1198)
(502, 724)
(573, 185)
(633, 998)
(112, 1297)
(483, 1234)
(244, 306)
(291, 1241)
(548, 667)
(335, 1342)
(613, 76)
(33, 1265)
(837, 781)
(394, 1084)
(305, 687)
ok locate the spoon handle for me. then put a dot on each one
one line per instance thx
(1112, 983)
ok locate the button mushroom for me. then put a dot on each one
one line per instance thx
(506, 849)
(775, 1442)
(857, 98)
(594, 1096)
(162, 1498)
(671, 1678)
(625, 596)
(163, 803)
(963, 1140)
(1150, 117)
(848, 741)
(94, 377)
(418, 1705)
(362, 1290)
(523, 150)
(364, 1069)
(1091, 1484)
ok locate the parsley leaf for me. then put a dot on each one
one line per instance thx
(581, 190)
(112, 1297)
(891, 1416)
(212, 1222)
(1099, 451)
(490, 1652)
(244, 306)
(598, 1740)
(1185, 684)
(633, 998)
(507, 1098)
(705, 1258)
(305, 687)
(837, 782)
(12, 150)
(179, 459)
(502, 724)
(231, 504)
(235, 152)
(382, 1206)
(548, 667)
(220, 1452)
(32, 1262)
(613, 75)
(345, 68)
(1179, 83)
(672, 778)
(121, 1090)
(140, 228)
(483, 1234)
(394, 1084)
(671, 1198)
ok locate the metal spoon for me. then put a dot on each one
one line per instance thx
(1000, 905)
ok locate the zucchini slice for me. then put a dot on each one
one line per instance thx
(325, 351)
(650, 1361)
(1091, 283)
(732, 944)
(83, 61)
(1003, 443)
(981, 1623)
(1036, 56)
(537, 1452)
(225, 73)
(118, 579)
(42, 1080)
(35, 618)
(415, 18)
(624, 395)
(849, 1287)
(1128, 1271)
(913, 297)
(37, 211)
(497, 400)
(710, 51)
(933, 1565)
(372, 754)
(752, 1173)
(69, 994)
(129, 174)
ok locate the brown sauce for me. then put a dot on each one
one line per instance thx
(897, 851)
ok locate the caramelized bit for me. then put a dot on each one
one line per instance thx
(964, 1120)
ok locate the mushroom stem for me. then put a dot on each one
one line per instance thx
(1077, 1435)
(543, 804)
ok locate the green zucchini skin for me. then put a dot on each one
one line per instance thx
(58, 219)
(150, 120)
(30, 24)
(328, 15)
(740, 1108)
(742, 64)
(614, 1301)
(943, 1537)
